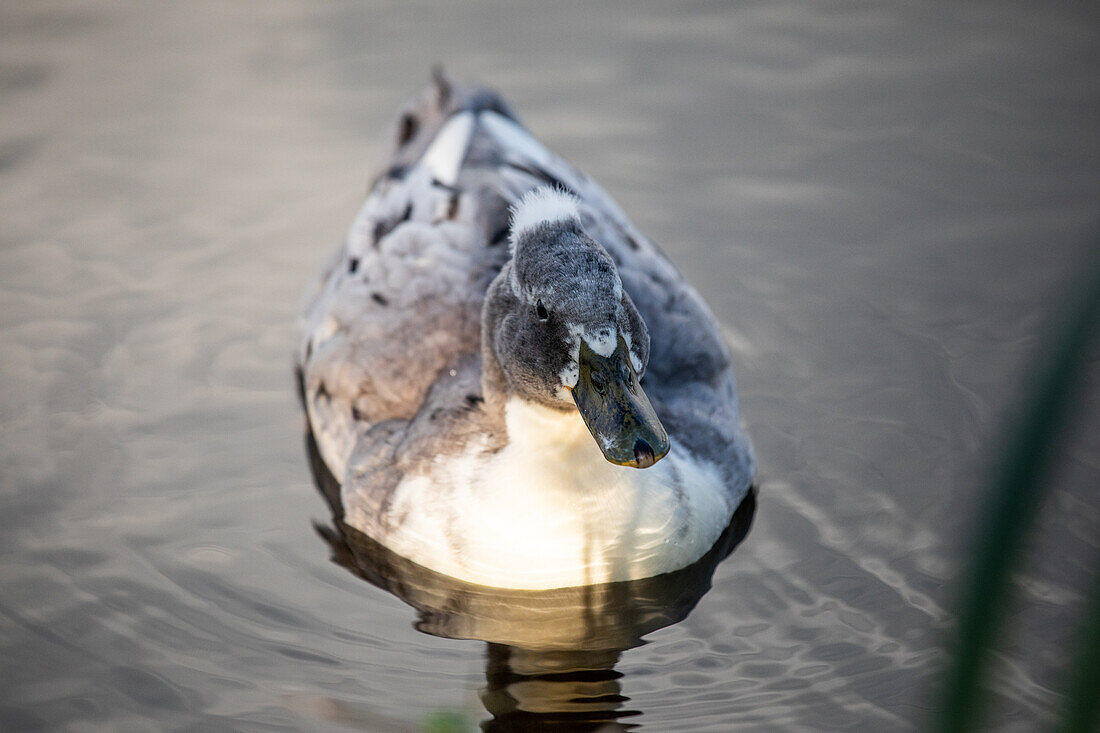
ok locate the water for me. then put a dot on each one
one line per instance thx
(883, 203)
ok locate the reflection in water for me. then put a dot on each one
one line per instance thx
(549, 690)
(551, 654)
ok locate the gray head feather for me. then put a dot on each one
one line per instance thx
(560, 286)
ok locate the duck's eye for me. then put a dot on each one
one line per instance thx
(541, 312)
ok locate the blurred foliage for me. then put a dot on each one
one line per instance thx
(1018, 488)
(447, 721)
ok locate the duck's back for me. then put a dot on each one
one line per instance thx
(390, 355)
(402, 297)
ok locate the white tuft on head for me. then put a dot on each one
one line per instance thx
(542, 206)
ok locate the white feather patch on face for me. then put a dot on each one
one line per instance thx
(542, 206)
(634, 360)
(569, 375)
(572, 371)
(603, 342)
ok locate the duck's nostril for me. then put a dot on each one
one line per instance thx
(643, 453)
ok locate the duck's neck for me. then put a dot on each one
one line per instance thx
(499, 302)
(539, 430)
(494, 385)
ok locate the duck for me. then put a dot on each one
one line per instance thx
(514, 386)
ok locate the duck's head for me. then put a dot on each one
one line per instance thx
(566, 335)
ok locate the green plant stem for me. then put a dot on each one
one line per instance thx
(1016, 497)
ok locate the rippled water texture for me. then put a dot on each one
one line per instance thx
(884, 203)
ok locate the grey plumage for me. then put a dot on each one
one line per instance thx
(393, 354)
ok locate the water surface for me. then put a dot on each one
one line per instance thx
(883, 203)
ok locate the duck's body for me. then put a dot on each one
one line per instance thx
(442, 398)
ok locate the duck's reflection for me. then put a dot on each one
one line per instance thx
(551, 654)
(545, 690)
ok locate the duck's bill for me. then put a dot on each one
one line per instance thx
(617, 411)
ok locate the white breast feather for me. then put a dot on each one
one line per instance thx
(549, 511)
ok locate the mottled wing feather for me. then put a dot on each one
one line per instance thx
(402, 298)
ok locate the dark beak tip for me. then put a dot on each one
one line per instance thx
(643, 454)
